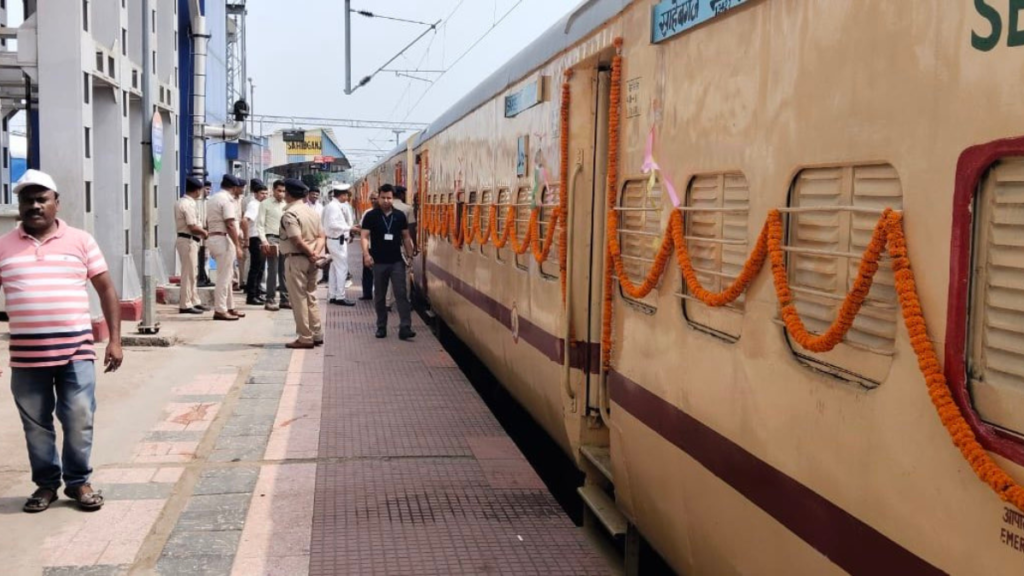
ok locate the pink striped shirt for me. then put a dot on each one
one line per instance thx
(44, 284)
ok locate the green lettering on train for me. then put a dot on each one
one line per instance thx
(1014, 35)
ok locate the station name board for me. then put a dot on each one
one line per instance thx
(527, 97)
(673, 17)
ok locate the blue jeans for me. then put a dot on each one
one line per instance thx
(70, 390)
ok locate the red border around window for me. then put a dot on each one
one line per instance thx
(970, 168)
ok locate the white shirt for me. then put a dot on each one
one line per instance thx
(252, 211)
(336, 221)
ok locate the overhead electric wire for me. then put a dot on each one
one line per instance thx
(461, 56)
(369, 14)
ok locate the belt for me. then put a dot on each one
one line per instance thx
(218, 233)
(193, 238)
(274, 236)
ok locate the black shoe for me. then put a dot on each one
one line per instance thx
(189, 311)
(346, 303)
(332, 301)
(205, 284)
(255, 301)
(200, 307)
(406, 334)
(366, 297)
(382, 333)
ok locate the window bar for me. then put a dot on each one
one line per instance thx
(840, 297)
(830, 253)
(857, 209)
(725, 241)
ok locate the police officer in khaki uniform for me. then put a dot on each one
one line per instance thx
(302, 243)
(190, 234)
(222, 215)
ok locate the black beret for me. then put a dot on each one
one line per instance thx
(230, 181)
(256, 185)
(293, 185)
(192, 184)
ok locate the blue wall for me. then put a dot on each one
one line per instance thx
(216, 86)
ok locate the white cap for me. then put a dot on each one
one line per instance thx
(343, 187)
(34, 178)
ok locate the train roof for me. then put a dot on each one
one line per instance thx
(588, 16)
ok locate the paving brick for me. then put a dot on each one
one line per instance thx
(205, 565)
(255, 406)
(226, 481)
(254, 391)
(238, 448)
(175, 436)
(138, 491)
(86, 570)
(202, 544)
(214, 513)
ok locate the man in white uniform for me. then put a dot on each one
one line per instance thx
(338, 222)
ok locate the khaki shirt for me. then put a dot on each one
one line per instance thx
(220, 208)
(269, 219)
(299, 220)
(186, 214)
(410, 214)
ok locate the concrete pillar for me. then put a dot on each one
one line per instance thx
(65, 118)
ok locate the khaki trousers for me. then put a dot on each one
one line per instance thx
(223, 251)
(188, 254)
(301, 277)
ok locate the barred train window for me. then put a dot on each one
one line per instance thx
(549, 201)
(486, 199)
(824, 252)
(471, 219)
(640, 233)
(522, 224)
(504, 202)
(995, 365)
(716, 236)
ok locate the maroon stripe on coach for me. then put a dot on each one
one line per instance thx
(845, 540)
(848, 542)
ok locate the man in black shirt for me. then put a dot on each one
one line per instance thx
(384, 232)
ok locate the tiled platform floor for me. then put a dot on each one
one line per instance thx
(415, 476)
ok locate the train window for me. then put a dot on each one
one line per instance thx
(640, 233)
(486, 199)
(471, 221)
(716, 236)
(995, 363)
(504, 204)
(549, 201)
(523, 209)
(836, 212)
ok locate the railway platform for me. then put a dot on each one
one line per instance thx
(229, 454)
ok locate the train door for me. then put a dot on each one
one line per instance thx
(601, 84)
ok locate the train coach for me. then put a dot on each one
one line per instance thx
(757, 266)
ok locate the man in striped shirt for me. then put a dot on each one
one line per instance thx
(44, 268)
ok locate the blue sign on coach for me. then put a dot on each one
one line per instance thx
(531, 95)
(673, 17)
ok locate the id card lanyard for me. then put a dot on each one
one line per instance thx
(388, 236)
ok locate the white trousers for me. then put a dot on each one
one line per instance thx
(223, 251)
(339, 269)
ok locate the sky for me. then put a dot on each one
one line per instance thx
(296, 58)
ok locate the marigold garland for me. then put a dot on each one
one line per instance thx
(563, 182)
(888, 234)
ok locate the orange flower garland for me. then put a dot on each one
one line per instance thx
(938, 389)
(888, 233)
(563, 181)
(613, 180)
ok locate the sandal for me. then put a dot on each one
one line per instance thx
(85, 497)
(40, 500)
